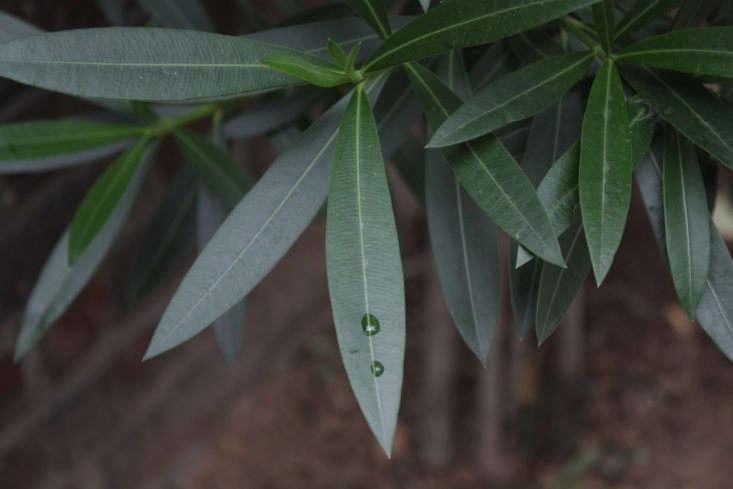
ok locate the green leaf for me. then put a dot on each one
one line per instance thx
(552, 133)
(271, 114)
(228, 329)
(604, 17)
(12, 27)
(496, 61)
(463, 239)
(464, 247)
(102, 199)
(337, 53)
(365, 280)
(215, 167)
(535, 45)
(693, 13)
(559, 286)
(180, 14)
(687, 220)
(715, 312)
(691, 109)
(605, 168)
(701, 51)
(642, 124)
(643, 13)
(257, 233)
(112, 10)
(373, 11)
(461, 23)
(489, 174)
(558, 191)
(168, 235)
(648, 176)
(47, 145)
(143, 64)
(409, 159)
(396, 111)
(59, 283)
(516, 96)
(425, 4)
(523, 287)
(310, 69)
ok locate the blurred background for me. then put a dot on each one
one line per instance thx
(627, 394)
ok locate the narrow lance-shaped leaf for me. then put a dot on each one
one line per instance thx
(559, 286)
(686, 220)
(310, 69)
(605, 168)
(425, 4)
(461, 23)
(59, 283)
(604, 17)
(143, 64)
(365, 280)
(489, 174)
(374, 12)
(12, 27)
(47, 145)
(496, 61)
(168, 235)
(523, 287)
(693, 110)
(701, 51)
(180, 14)
(642, 124)
(715, 311)
(463, 240)
(256, 234)
(643, 13)
(102, 199)
(112, 10)
(215, 167)
(513, 97)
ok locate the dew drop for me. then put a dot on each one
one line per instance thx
(370, 324)
(377, 368)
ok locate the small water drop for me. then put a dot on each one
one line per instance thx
(370, 324)
(377, 368)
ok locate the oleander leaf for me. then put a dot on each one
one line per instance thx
(215, 166)
(374, 12)
(496, 61)
(410, 159)
(643, 13)
(310, 69)
(559, 286)
(605, 168)
(12, 27)
(642, 123)
(513, 97)
(701, 51)
(687, 222)
(463, 239)
(256, 234)
(47, 145)
(365, 279)
(489, 174)
(112, 10)
(143, 64)
(604, 17)
(337, 52)
(425, 4)
(59, 284)
(523, 288)
(168, 235)
(103, 197)
(693, 110)
(179, 14)
(461, 23)
(715, 311)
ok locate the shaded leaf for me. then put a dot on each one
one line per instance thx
(102, 199)
(605, 168)
(523, 287)
(489, 174)
(687, 222)
(373, 11)
(691, 109)
(180, 14)
(310, 69)
(11, 27)
(604, 17)
(643, 13)
(59, 284)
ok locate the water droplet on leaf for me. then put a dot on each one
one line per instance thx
(377, 368)
(370, 324)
